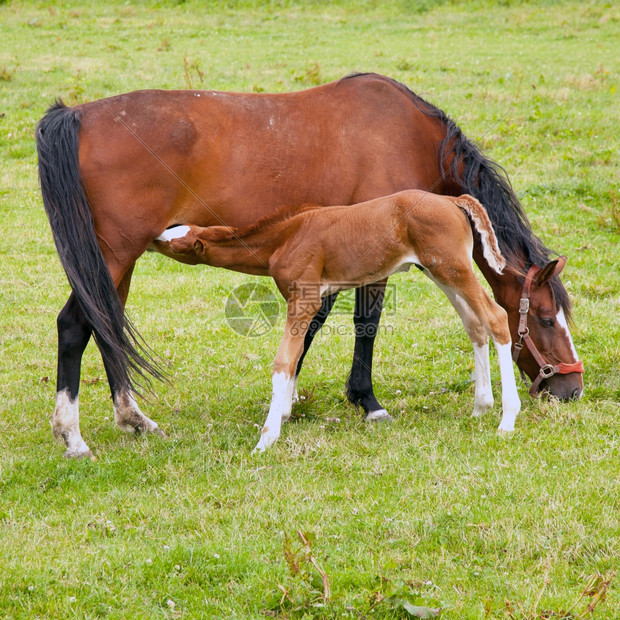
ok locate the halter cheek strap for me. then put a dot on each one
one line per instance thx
(546, 370)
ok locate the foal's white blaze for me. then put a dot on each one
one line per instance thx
(66, 425)
(561, 319)
(173, 233)
(280, 408)
(510, 397)
(483, 399)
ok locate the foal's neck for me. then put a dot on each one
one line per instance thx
(249, 253)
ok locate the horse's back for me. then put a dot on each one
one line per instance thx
(210, 157)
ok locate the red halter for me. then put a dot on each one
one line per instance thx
(546, 370)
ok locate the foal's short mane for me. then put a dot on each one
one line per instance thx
(282, 214)
(488, 182)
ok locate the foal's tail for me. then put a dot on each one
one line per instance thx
(480, 219)
(71, 220)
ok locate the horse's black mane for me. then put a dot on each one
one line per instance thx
(488, 182)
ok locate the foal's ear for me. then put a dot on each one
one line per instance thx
(551, 269)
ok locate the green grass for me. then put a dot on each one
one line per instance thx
(435, 509)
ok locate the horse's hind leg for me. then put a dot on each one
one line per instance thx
(127, 414)
(74, 332)
(73, 335)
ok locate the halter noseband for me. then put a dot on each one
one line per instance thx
(546, 370)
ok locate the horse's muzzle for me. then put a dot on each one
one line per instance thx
(563, 387)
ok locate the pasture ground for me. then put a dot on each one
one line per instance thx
(434, 510)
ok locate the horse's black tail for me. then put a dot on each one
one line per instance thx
(71, 220)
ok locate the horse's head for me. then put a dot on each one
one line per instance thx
(543, 348)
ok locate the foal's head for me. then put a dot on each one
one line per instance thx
(197, 239)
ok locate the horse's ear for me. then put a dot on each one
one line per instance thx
(551, 269)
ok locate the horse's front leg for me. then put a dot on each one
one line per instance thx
(368, 307)
(299, 315)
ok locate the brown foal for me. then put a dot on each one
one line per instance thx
(318, 251)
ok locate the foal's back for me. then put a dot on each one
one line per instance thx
(370, 241)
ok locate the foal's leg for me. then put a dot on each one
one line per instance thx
(368, 307)
(127, 414)
(284, 366)
(314, 327)
(495, 321)
(483, 396)
(73, 335)
(479, 312)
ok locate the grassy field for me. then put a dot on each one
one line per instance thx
(435, 510)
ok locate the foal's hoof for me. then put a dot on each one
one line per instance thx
(505, 432)
(266, 441)
(381, 415)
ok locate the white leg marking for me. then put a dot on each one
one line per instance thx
(483, 399)
(66, 425)
(294, 398)
(380, 415)
(483, 395)
(129, 418)
(511, 404)
(173, 233)
(561, 319)
(280, 408)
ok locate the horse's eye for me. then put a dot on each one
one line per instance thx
(547, 322)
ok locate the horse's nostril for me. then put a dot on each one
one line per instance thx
(576, 394)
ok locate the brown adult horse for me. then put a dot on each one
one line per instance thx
(117, 172)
